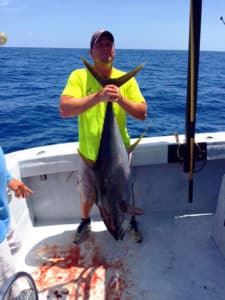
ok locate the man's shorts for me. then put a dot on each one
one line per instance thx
(86, 182)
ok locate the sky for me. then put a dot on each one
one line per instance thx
(135, 24)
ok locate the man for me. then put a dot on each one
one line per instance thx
(21, 190)
(83, 96)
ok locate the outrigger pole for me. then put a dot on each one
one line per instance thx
(221, 18)
(193, 66)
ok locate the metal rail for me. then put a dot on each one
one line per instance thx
(32, 293)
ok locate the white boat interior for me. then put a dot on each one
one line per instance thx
(181, 256)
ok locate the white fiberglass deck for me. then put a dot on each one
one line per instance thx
(178, 259)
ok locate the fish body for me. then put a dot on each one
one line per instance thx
(112, 168)
(112, 173)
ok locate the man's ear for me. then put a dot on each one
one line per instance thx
(91, 53)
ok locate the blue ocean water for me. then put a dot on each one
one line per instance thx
(31, 80)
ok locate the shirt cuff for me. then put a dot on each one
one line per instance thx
(9, 177)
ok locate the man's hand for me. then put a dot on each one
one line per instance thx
(19, 188)
(110, 93)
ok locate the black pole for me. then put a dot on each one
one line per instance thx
(221, 18)
(193, 66)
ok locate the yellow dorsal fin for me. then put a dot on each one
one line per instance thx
(131, 148)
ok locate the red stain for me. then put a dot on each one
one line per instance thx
(65, 273)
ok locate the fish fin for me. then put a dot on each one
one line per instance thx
(124, 78)
(101, 79)
(131, 148)
(131, 209)
(134, 210)
(116, 81)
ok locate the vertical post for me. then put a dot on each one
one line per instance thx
(193, 66)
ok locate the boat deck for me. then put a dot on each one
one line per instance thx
(178, 259)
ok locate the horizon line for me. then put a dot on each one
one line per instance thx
(133, 49)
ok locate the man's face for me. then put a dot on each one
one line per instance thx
(103, 50)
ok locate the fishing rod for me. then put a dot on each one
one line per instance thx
(221, 18)
(189, 152)
(191, 100)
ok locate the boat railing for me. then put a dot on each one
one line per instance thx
(30, 293)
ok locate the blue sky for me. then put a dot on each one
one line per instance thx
(143, 24)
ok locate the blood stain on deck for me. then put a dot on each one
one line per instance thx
(73, 272)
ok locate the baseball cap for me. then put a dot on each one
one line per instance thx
(98, 34)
